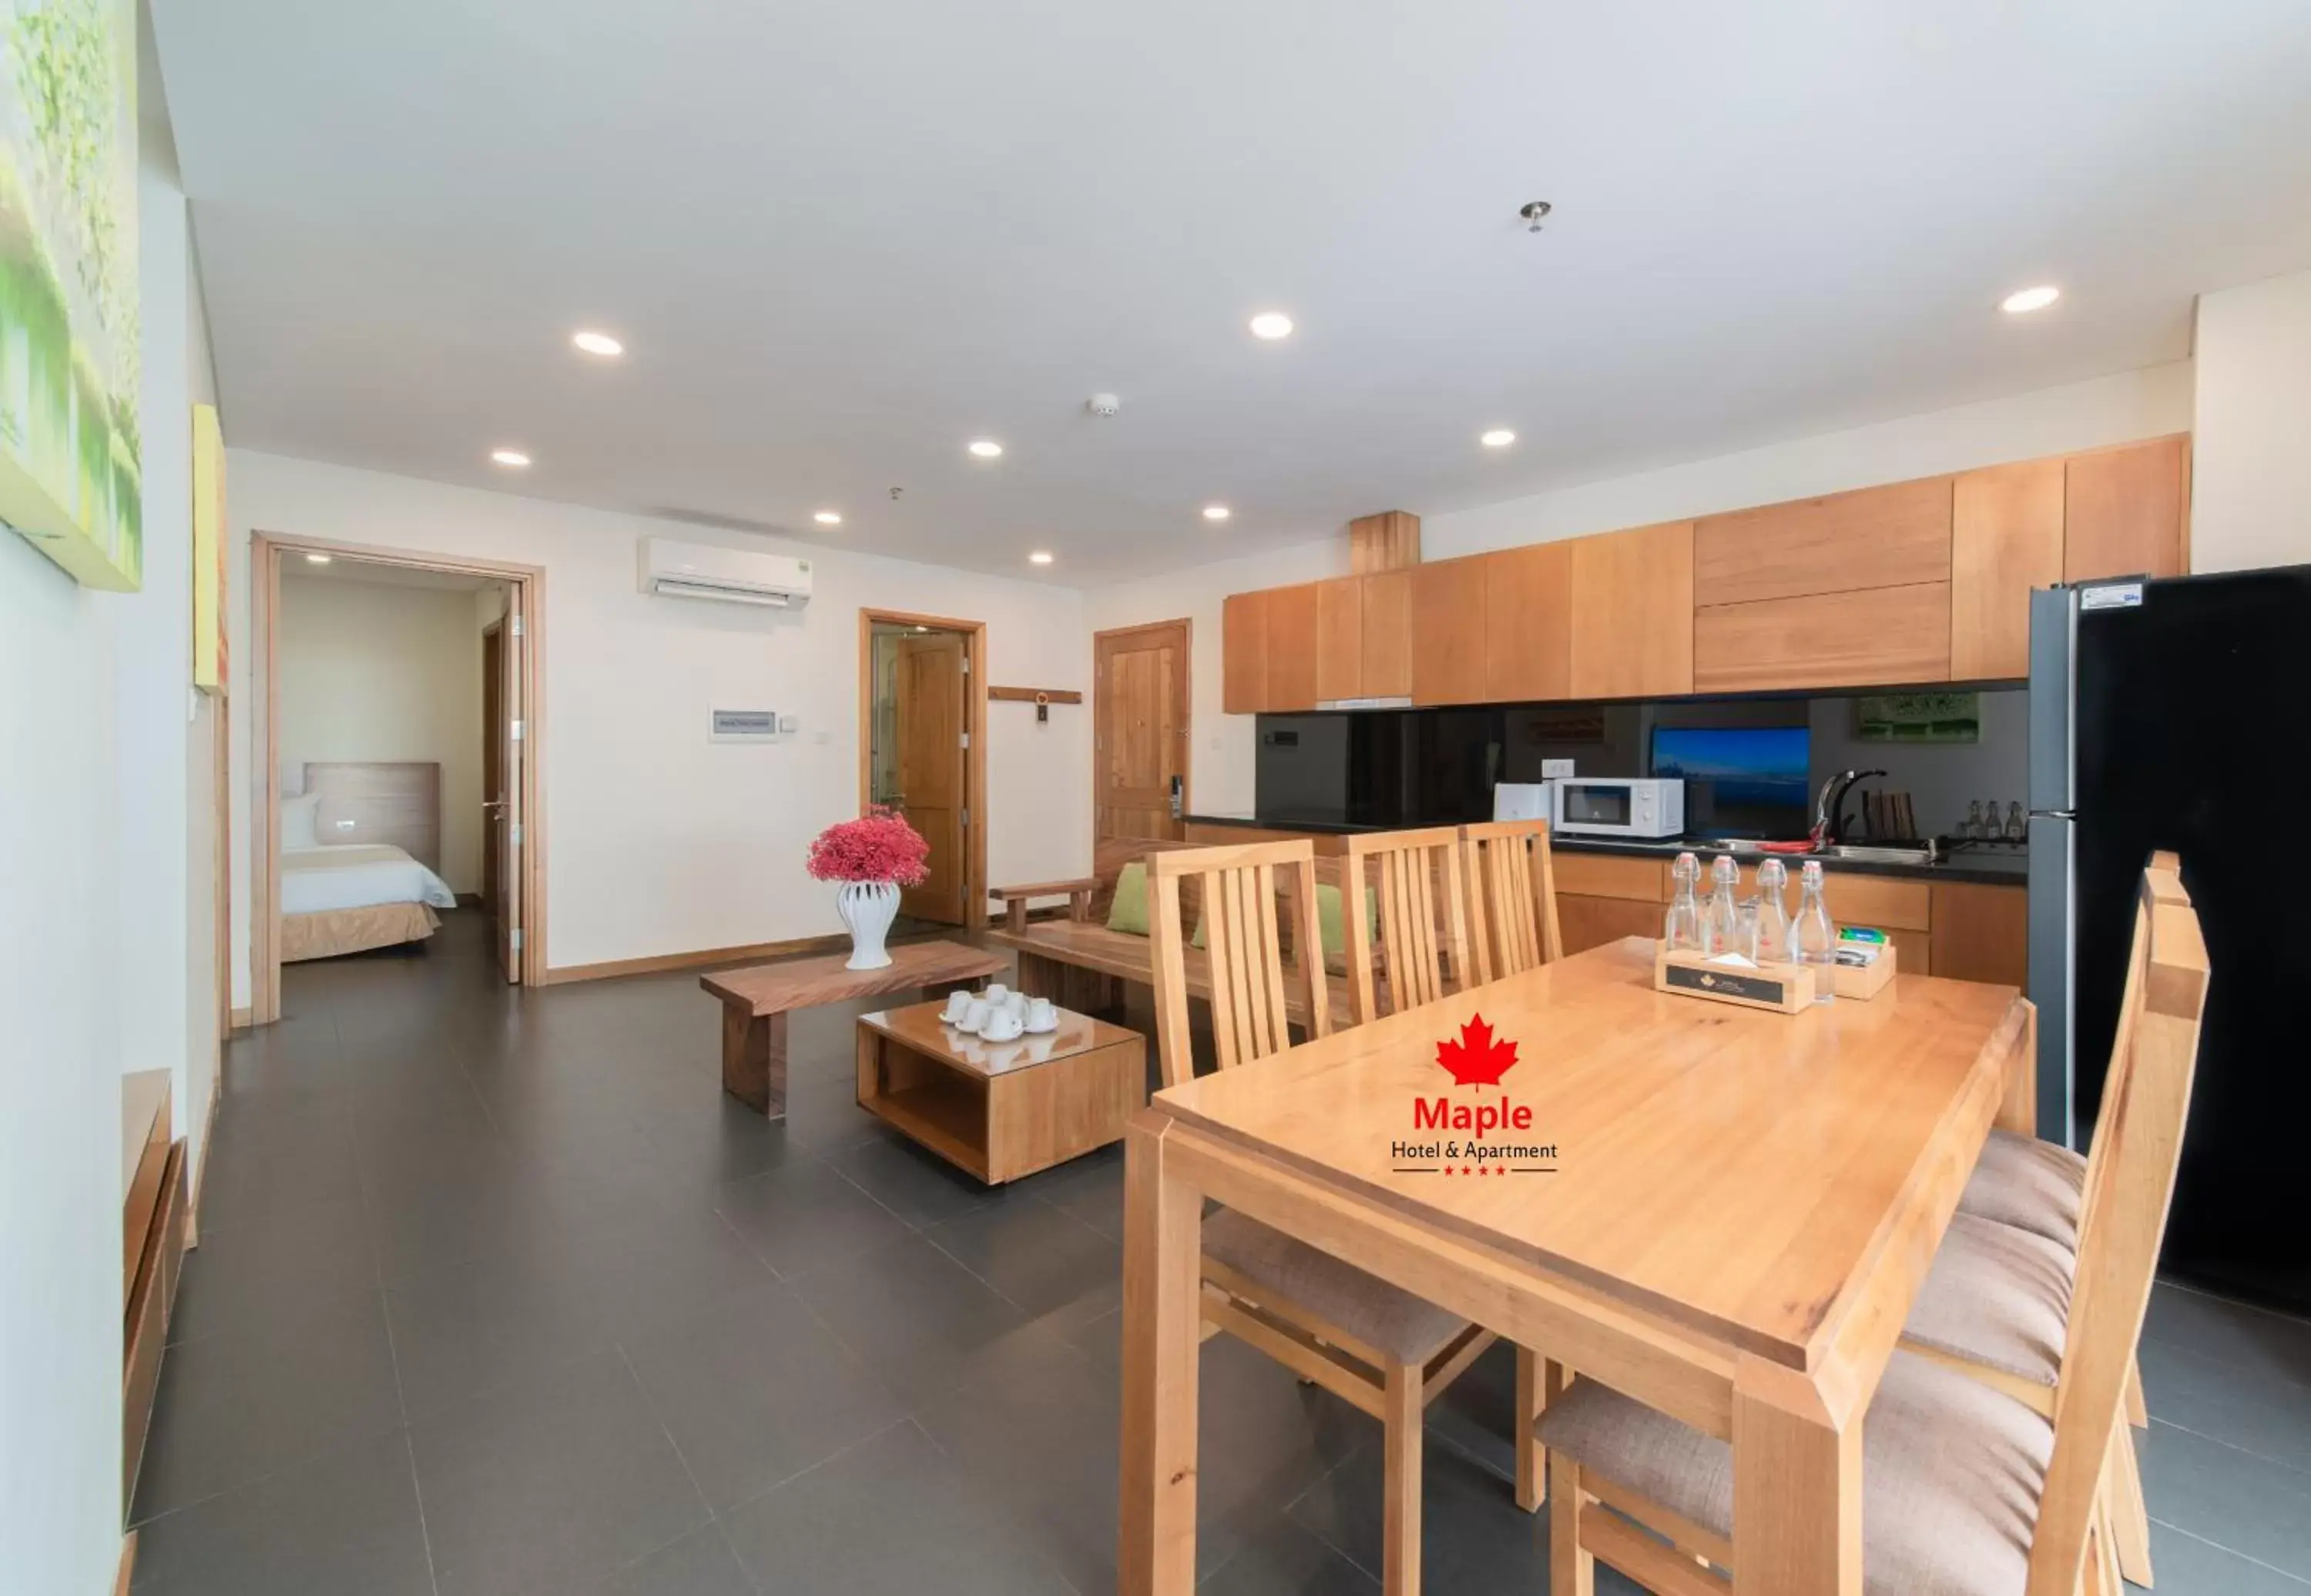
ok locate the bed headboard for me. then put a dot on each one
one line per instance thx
(396, 802)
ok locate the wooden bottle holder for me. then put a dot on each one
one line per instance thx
(1782, 988)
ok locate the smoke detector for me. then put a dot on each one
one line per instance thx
(1103, 403)
(1535, 214)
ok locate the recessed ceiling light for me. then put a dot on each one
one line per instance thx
(827, 517)
(594, 342)
(510, 457)
(2024, 300)
(1040, 557)
(1271, 324)
(986, 449)
(317, 559)
(1499, 438)
(1216, 512)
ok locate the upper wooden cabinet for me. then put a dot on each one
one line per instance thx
(2006, 538)
(1528, 623)
(1387, 636)
(2123, 512)
(1875, 538)
(1449, 631)
(1364, 636)
(1291, 647)
(1631, 624)
(1877, 636)
(1243, 653)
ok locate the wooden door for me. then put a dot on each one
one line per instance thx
(2123, 512)
(1633, 612)
(493, 815)
(933, 782)
(1139, 731)
(505, 697)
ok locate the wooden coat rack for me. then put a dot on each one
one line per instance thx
(1042, 698)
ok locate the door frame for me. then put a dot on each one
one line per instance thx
(1187, 625)
(266, 552)
(493, 638)
(974, 764)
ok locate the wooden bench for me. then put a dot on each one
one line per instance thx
(1078, 963)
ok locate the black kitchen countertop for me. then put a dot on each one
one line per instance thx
(1995, 864)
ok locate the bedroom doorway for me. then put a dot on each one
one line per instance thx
(395, 776)
(922, 750)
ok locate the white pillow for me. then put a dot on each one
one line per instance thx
(298, 819)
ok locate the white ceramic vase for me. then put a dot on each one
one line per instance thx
(867, 908)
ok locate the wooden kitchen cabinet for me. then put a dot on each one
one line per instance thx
(1632, 626)
(1528, 623)
(1644, 877)
(1893, 537)
(1387, 634)
(1291, 650)
(2006, 538)
(1340, 638)
(1448, 631)
(2123, 512)
(1876, 637)
(1981, 932)
(1585, 923)
(1243, 653)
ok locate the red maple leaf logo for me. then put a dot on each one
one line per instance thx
(1476, 1059)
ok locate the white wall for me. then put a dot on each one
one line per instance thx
(374, 671)
(2251, 460)
(659, 842)
(95, 978)
(2142, 403)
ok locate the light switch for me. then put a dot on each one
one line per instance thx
(1557, 769)
(789, 724)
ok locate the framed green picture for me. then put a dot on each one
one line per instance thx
(71, 471)
(1918, 717)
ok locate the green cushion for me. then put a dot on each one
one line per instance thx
(1331, 926)
(1128, 909)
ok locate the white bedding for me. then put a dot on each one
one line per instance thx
(314, 880)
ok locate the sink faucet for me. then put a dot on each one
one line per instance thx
(1829, 812)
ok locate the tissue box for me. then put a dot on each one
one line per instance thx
(1780, 989)
(1865, 980)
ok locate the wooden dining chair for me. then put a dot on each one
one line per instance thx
(1378, 1347)
(1997, 1303)
(1966, 1492)
(1423, 915)
(1511, 897)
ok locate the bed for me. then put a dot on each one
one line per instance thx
(360, 853)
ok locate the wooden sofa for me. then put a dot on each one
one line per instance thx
(1079, 963)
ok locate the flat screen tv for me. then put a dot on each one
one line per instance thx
(1739, 781)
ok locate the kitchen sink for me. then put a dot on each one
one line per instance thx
(1862, 853)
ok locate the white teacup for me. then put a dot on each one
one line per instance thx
(974, 1015)
(1002, 1025)
(1042, 1015)
(1016, 1003)
(958, 1002)
(996, 991)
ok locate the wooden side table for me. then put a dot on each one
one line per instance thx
(755, 1001)
(1001, 1110)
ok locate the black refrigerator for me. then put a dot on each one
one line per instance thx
(2176, 714)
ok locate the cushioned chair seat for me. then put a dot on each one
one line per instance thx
(1388, 1321)
(2030, 1184)
(1996, 1296)
(1952, 1472)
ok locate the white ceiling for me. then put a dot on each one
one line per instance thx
(841, 239)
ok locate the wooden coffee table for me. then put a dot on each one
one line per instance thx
(1001, 1109)
(755, 1001)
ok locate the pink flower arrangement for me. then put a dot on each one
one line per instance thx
(877, 846)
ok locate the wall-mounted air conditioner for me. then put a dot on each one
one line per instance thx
(676, 570)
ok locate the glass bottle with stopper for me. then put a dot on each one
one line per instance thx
(1814, 940)
(1720, 917)
(1772, 914)
(1681, 931)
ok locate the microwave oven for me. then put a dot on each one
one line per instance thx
(1619, 806)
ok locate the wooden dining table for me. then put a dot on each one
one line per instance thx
(1721, 1212)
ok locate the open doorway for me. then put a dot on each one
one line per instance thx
(923, 748)
(397, 758)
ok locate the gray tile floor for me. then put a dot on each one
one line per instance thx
(497, 1294)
